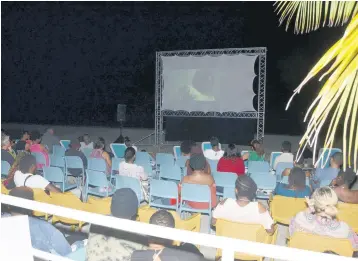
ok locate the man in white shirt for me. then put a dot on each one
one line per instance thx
(129, 168)
(86, 143)
(286, 155)
(214, 153)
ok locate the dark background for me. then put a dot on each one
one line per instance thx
(72, 62)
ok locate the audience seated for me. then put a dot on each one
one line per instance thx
(73, 150)
(111, 155)
(9, 181)
(49, 139)
(99, 152)
(86, 142)
(5, 146)
(186, 146)
(128, 143)
(24, 143)
(330, 173)
(231, 162)
(36, 146)
(257, 153)
(199, 176)
(44, 236)
(162, 249)
(320, 217)
(25, 176)
(111, 245)
(286, 155)
(296, 187)
(244, 209)
(341, 185)
(214, 153)
(196, 150)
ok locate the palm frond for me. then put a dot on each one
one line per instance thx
(311, 15)
(338, 99)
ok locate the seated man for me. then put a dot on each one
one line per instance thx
(74, 150)
(5, 147)
(129, 168)
(185, 147)
(128, 143)
(286, 155)
(341, 185)
(330, 173)
(214, 153)
(107, 244)
(24, 143)
(163, 249)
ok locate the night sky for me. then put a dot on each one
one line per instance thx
(72, 62)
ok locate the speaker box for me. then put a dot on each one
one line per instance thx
(121, 112)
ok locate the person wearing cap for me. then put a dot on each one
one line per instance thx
(244, 209)
(74, 150)
(197, 163)
(106, 244)
(342, 184)
(330, 173)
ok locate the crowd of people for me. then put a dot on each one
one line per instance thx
(108, 244)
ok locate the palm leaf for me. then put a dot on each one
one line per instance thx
(337, 101)
(310, 15)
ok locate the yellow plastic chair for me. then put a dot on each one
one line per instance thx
(348, 213)
(283, 209)
(4, 190)
(67, 200)
(98, 205)
(318, 243)
(41, 196)
(250, 232)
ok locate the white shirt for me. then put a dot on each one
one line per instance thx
(36, 181)
(213, 155)
(250, 213)
(86, 146)
(132, 170)
(284, 157)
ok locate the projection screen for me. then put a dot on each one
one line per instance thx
(221, 83)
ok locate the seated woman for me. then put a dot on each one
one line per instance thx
(100, 153)
(36, 146)
(196, 150)
(296, 187)
(231, 162)
(244, 209)
(257, 153)
(320, 217)
(199, 176)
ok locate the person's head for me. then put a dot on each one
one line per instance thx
(36, 137)
(197, 162)
(297, 178)
(74, 144)
(245, 188)
(5, 142)
(185, 146)
(27, 164)
(214, 143)
(336, 160)
(50, 131)
(127, 141)
(129, 155)
(124, 204)
(231, 152)
(25, 135)
(86, 139)
(345, 177)
(99, 144)
(21, 192)
(257, 147)
(323, 203)
(286, 146)
(103, 141)
(165, 219)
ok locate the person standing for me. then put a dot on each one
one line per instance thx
(50, 139)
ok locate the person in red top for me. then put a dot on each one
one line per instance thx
(231, 162)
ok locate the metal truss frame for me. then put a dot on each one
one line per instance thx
(259, 114)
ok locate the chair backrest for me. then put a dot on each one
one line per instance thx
(206, 145)
(96, 178)
(224, 179)
(40, 157)
(129, 182)
(5, 167)
(281, 167)
(176, 151)
(258, 166)
(213, 164)
(319, 243)
(58, 150)
(181, 161)
(348, 213)
(65, 144)
(284, 180)
(57, 161)
(229, 193)
(118, 149)
(324, 161)
(97, 164)
(115, 163)
(73, 162)
(87, 152)
(163, 189)
(146, 166)
(273, 157)
(53, 174)
(172, 172)
(195, 192)
(264, 181)
(164, 159)
(143, 156)
(283, 209)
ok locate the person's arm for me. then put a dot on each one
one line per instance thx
(246, 156)
(107, 158)
(43, 148)
(209, 168)
(52, 188)
(346, 195)
(142, 174)
(218, 212)
(263, 211)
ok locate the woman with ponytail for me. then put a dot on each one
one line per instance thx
(320, 217)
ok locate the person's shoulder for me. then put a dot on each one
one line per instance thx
(262, 208)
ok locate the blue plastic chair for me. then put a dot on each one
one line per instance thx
(129, 182)
(78, 255)
(95, 181)
(273, 157)
(195, 193)
(171, 172)
(258, 167)
(115, 167)
(284, 180)
(224, 180)
(281, 167)
(56, 175)
(229, 193)
(266, 183)
(177, 152)
(40, 159)
(118, 149)
(87, 152)
(206, 145)
(65, 144)
(74, 162)
(324, 162)
(213, 164)
(147, 166)
(97, 164)
(163, 189)
(181, 161)
(58, 150)
(57, 161)
(143, 156)
(5, 168)
(164, 159)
